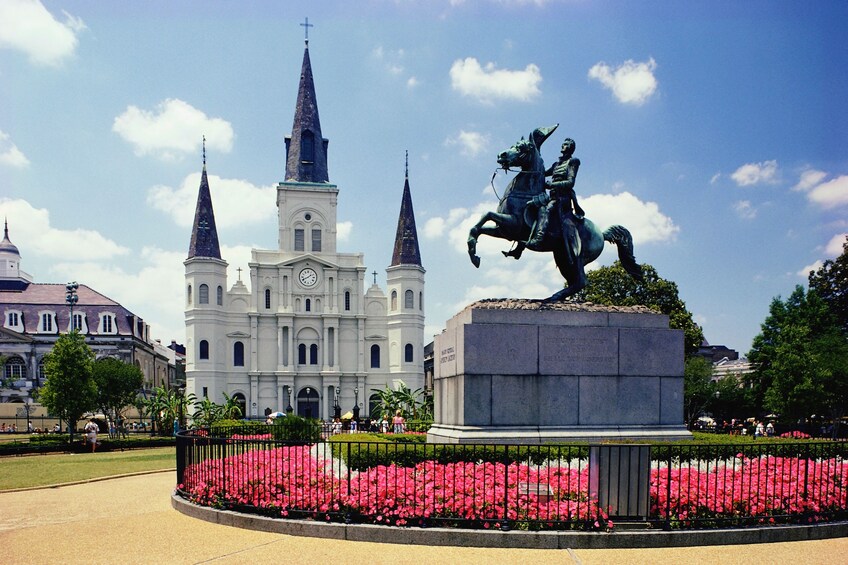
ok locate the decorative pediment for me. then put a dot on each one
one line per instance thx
(11, 336)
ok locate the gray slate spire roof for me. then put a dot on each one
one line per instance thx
(406, 250)
(204, 234)
(306, 148)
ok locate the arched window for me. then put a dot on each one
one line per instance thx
(308, 305)
(313, 354)
(238, 354)
(347, 300)
(204, 349)
(301, 354)
(15, 369)
(203, 294)
(188, 296)
(267, 298)
(408, 353)
(409, 300)
(220, 296)
(420, 300)
(394, 300)
(316, 240)
(375, 356)
(374, 404)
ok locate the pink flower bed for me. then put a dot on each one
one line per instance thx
(795, 435)
(760, 487)
(290, 479)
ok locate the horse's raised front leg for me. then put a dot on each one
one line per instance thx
(472, 239)
(500, 220)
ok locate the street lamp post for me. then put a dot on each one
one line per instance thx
(337, 409)
(356, 404)
(289, 408)
(71, 298)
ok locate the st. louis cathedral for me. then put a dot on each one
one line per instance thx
(308, 334)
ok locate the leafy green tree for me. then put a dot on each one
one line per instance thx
(413, 404)
(801, 355)
(118, 384)
(698, 388)
(614, 287)
(231, 409)
(830, 282)
(167, 405)
(70, 390)
(206, 413)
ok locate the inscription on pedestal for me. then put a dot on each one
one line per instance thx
(578, 351)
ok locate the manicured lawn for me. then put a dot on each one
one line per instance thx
(42, 470)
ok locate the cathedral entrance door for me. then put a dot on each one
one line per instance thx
(308, 403)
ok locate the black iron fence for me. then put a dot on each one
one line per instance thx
(514, 486)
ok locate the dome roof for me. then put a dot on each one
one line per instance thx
(6, 246)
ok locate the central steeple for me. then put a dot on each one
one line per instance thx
(306, 148)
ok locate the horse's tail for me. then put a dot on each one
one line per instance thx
(620, 236)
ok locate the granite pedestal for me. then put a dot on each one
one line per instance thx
(522, 371)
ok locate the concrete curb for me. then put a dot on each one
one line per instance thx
(92, 480)
(623, 539)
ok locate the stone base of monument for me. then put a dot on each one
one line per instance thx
(522, 371)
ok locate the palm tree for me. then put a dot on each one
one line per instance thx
(232, 408)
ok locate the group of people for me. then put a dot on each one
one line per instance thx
(397, 426)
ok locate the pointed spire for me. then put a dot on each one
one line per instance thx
(406, 250)
(204, 234)
(6, 245)
(306, 148)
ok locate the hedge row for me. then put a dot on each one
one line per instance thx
(60, 444)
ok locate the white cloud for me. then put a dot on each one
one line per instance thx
(805, 272)
(755, 173)
(745, 210)
(32, 225)
(715, 178)
(834, 246)
(471, 143)
(10, 155)
(631, 83)
(174, 129)
(235, 201)
(488, 84)
(644, 219)
(343, 230)
(412, 82)
(831, 194)
(29, 27)
(809, 179)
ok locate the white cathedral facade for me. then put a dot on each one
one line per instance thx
(309, 334)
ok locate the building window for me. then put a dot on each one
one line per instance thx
(313, 354)
(13, 320)
(301, 354)
(394, 300)
(77, 323)
(298, 239)
(308, 305)
(267, 298)
(409, 300)
(316, 240)
(408, 353)
(347, 300)
(220, 296)
(203, 294)
(206, 392)
(188, 296)
(238, 354)
(47, 322)
(375, 356)
(107, 324)
(420, 300)
(204, 349)
(15, 369)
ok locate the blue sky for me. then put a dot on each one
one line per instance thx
(715, 131)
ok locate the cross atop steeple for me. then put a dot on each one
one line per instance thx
(239, 273)
(306, 25)
(204, 151)
(406, 170)
(375, 276)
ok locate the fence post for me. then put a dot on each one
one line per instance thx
(505, 523)
(347, 512)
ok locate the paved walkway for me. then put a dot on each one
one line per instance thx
(130, 520)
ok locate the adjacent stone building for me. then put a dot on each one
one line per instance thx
(35, 314)
(309, 332)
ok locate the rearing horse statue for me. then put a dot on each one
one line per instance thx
(514, 220)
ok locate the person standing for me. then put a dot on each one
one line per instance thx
(91, 433)
(398, 423)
